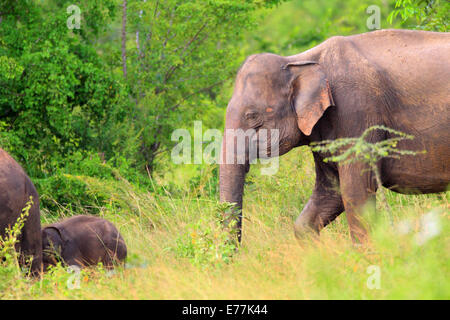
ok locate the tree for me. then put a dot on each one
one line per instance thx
(183, 53)
(299, 25)
(124, 38)
(430, 15)
(56, 94)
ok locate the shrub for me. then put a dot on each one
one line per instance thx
(70, 192)
(207, 243)
(10, 270)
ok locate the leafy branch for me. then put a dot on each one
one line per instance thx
(429, 14)
(351, 150)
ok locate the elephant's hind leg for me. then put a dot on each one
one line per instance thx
(321, 209)
(358, 187)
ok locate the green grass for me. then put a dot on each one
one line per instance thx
(176, 249)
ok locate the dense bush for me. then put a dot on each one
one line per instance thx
(57, 95)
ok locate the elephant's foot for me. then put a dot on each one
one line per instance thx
(305, 232)
(315, 217)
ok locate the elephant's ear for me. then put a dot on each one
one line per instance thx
(53, 234)
(310, 94)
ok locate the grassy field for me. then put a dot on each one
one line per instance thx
(177, 249)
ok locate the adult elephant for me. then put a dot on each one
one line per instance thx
(395, 78)
(16, 189)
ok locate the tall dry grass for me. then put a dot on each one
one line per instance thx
(176, 249)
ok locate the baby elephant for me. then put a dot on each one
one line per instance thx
(83, 241)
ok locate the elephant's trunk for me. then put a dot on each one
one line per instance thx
(232, 178)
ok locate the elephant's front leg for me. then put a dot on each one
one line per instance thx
(325, 203)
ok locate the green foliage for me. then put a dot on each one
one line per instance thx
(89, 185)
(56, 94)
(69, 281)
(68, 189)
(182, 53)
(87, 135)
(207, 243)
(62, 91)
(205, 183)
(64, 191)
(75, 188)
(8, 253)
(299, 25)
(430, 15)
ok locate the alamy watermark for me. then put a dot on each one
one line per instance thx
(373, 22)
(74, 20)
(374, 278)
(74, 280)
(239, 147)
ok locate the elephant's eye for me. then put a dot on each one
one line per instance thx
(253, 119)
(251, 115)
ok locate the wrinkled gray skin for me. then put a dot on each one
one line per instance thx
(16, 189)
(83, 241)
(395, 78)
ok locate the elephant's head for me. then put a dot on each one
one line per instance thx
(52, 246)
(271, 92)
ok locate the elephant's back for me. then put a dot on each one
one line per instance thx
(113, 242)
(15, 190)
(386, 38)
(11, 173)
(95, 238)
(409, 58)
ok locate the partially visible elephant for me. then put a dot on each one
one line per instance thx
(83, 241)
(395, 78)
(16, 189)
